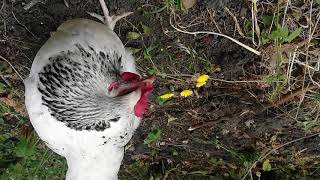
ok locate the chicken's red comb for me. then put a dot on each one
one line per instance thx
(129, 76)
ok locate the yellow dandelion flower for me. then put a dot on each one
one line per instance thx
(167, 96)
(199, 84)
(186, 93)
(202, 78)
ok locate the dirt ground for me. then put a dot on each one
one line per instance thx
(223, 131)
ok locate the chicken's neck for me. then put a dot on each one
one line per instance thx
(96, 165)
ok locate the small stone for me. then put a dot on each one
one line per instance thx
(249, 123)
(162, 143)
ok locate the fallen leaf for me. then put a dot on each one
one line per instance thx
(146, 30)
(133, 35)
(266, 166)
(152, 136)
(187, 4)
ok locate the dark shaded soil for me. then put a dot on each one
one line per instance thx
(231, 131)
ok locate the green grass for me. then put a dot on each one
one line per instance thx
(23, 155)
(25, 158)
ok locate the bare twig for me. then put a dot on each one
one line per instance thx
(25, 27)
(227, 81)
(2, 6)
(310, 74)
(311, 78)
(285, 13)
(12, 67)
(235, 21)
(31, 4)
(210, 123)
(218, 34)
(272, 22)
(290, 95)
(291, 61)
(212, 79)
(66, 3)
(4, 26)
(255, 25)
(316, 24)
(212, 14)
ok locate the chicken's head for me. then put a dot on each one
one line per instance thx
(130, 82)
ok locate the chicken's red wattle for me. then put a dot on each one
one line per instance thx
(142, 105)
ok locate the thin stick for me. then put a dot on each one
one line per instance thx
(290, 95)
(255, 26)
(12, 67)
(272, 22)
(66, 3)
(316, 24)
(252, 18)
(290, 66)
(211, 14)
(3, 3)
(213, 79)
(218, 34)
(235, 21)
(25, 27)
(285, 13)
(31, 4)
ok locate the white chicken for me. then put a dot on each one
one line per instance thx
(85, 97)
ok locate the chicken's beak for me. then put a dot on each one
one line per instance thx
(128, 87)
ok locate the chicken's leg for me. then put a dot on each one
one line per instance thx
(107, 19)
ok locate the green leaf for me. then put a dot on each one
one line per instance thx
(175, 153)
(274, 77)
(266, 166)
(147, 52)
(161, 101)
(4, 108)
(294, 34)
(146, 30)
(2, 87)
(134, 50)
(316, 96)
(18, 171)
(133, 35)
(247, 25)
(4, 67)
(283, 31)
(152, 136)
(267, 20)
(280, 34)
(175, 4)
(152, 71)
(25, 149)
(264, 38)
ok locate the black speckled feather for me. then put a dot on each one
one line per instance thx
(73, 87)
